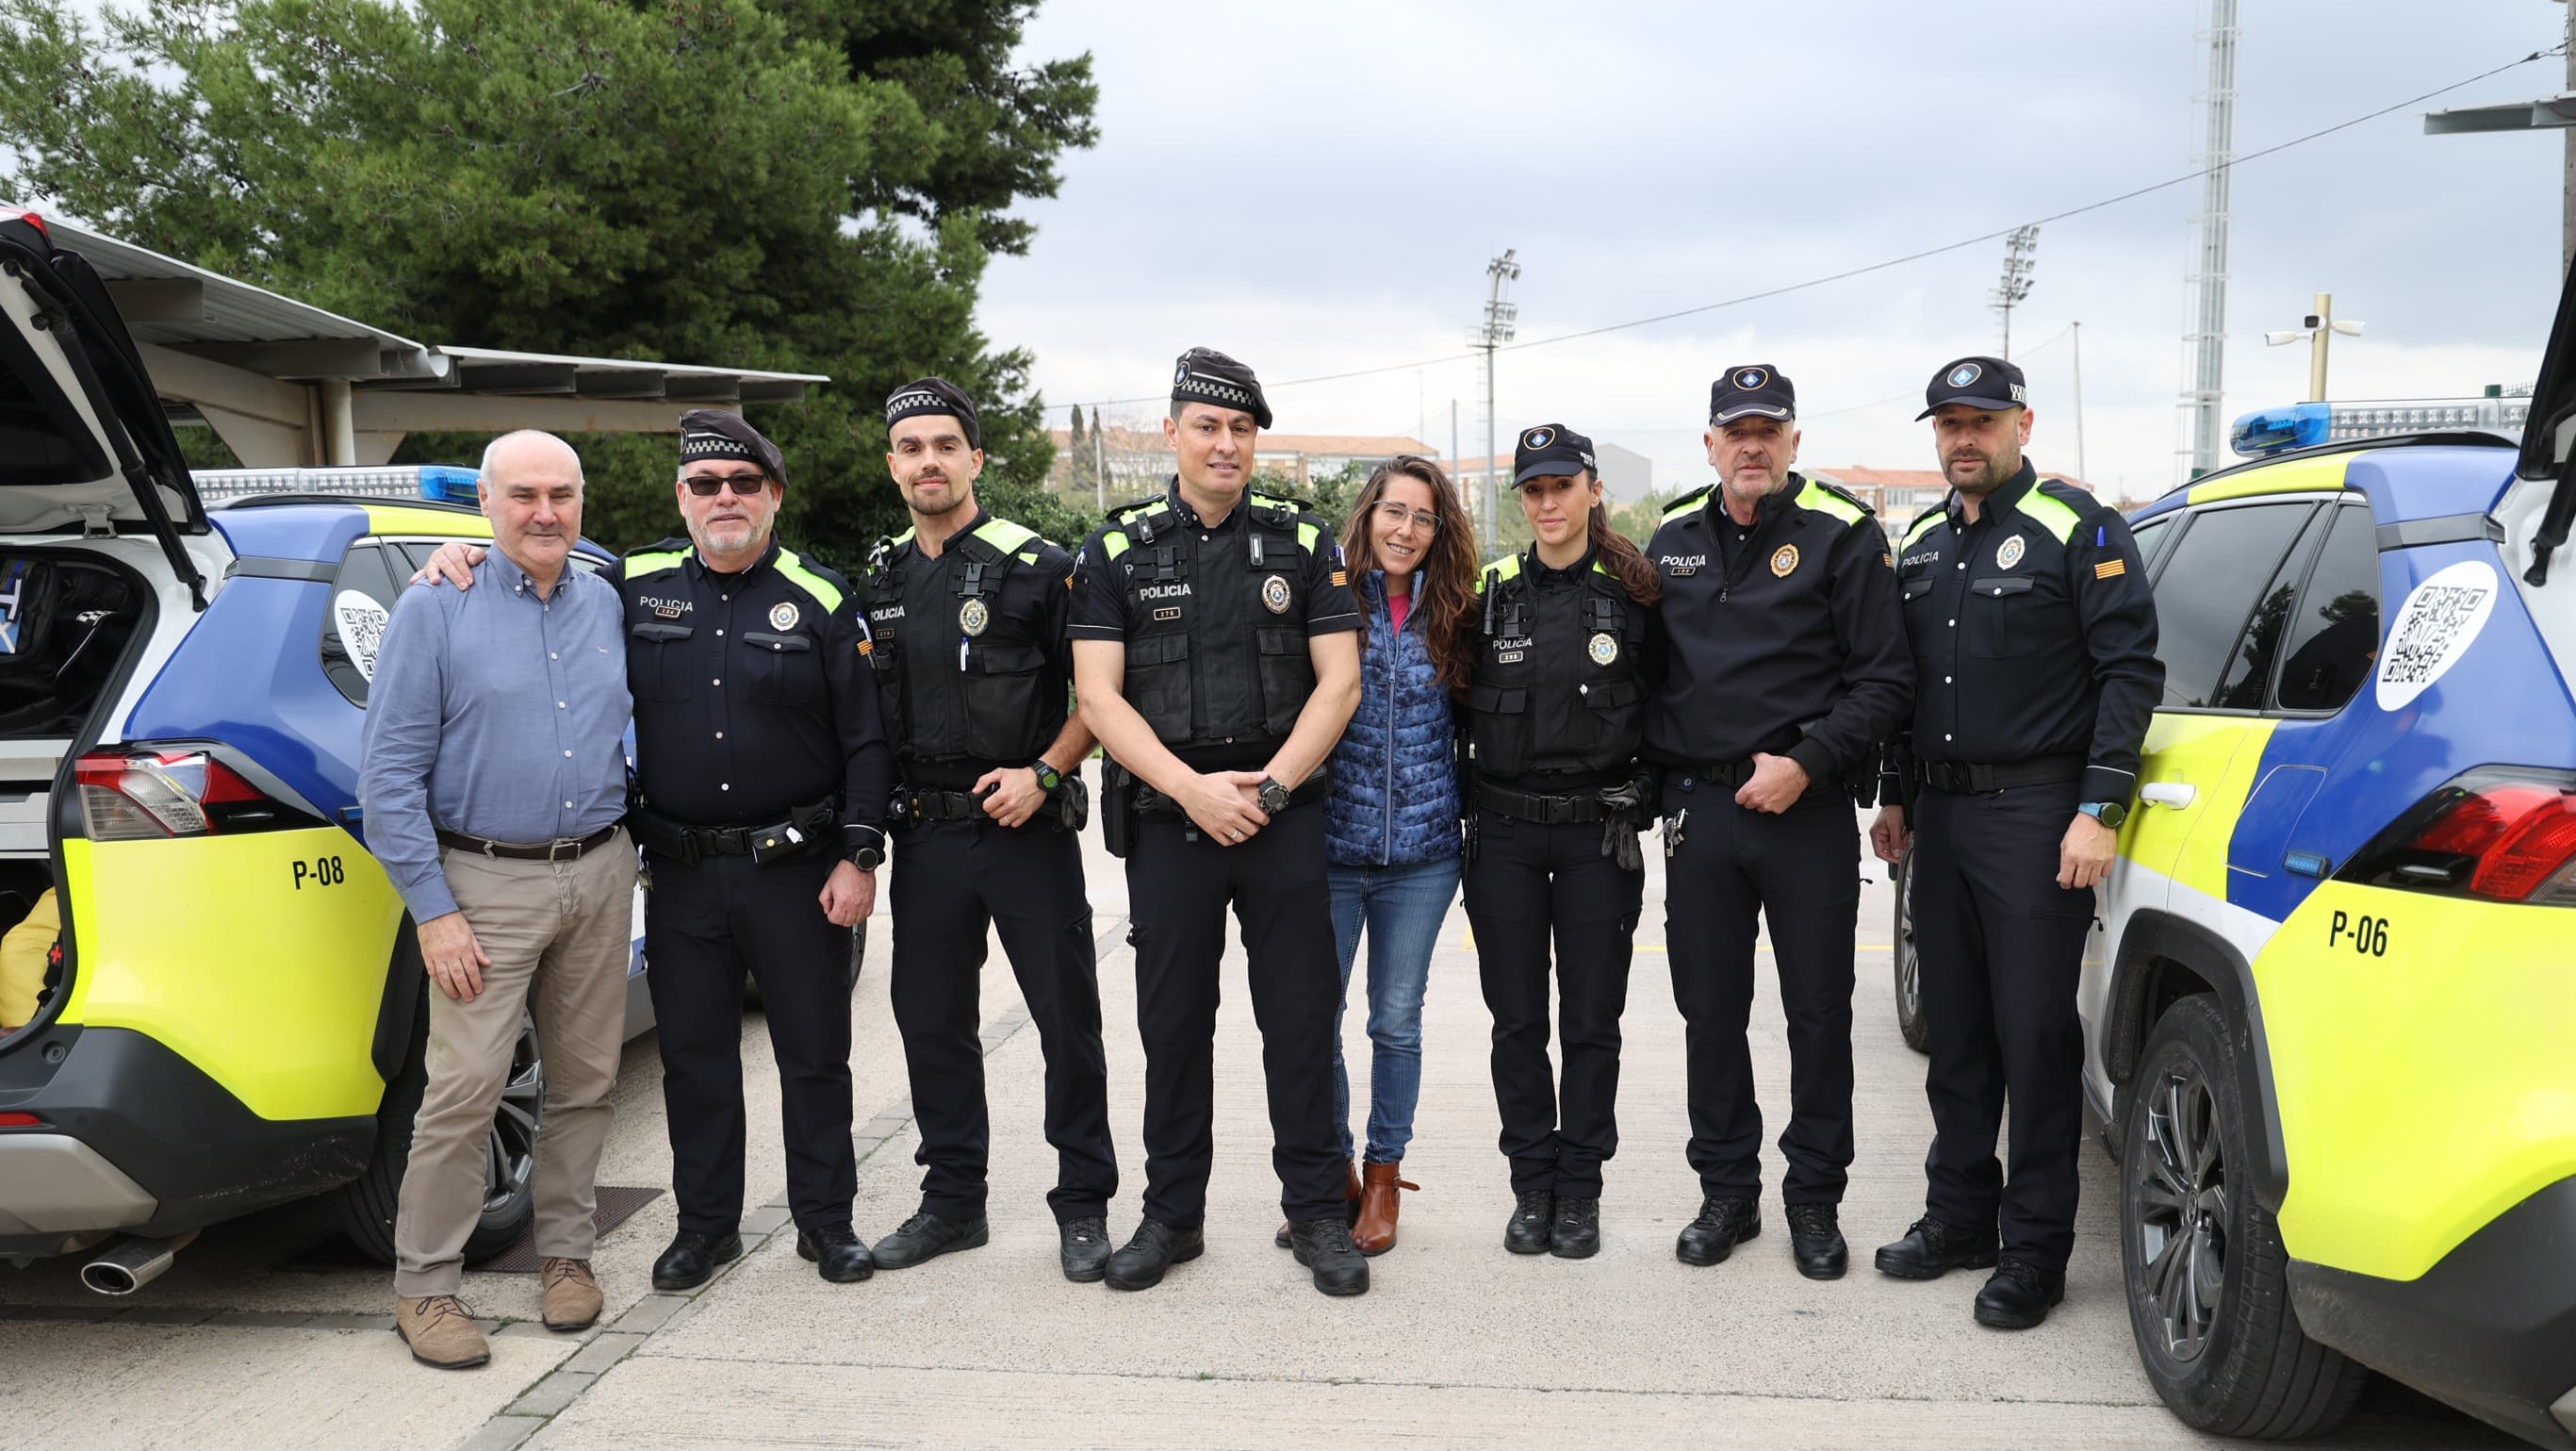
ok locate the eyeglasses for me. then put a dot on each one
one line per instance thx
(705, 486)
(1393, 514)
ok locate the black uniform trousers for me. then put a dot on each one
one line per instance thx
(1800, 870)
(2002, 946)
(952, 879)
(704, 926)
(1178, 890)
(1526, 882)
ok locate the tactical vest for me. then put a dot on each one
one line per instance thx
(1216, 631)
(1556, 683)
(958, 678)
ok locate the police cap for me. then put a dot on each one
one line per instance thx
(1754, 390)
(713, 433)
(1205, 375)
(934, 395)
(1979, 382)
(1551, 451)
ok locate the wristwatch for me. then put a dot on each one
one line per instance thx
(1049, 777)
(1274, 797)
(868, 858)
(2109, 813)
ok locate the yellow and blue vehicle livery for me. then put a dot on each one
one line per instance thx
(2356, 836)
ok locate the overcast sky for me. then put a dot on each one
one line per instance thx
(1316, 188)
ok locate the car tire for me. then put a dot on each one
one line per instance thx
(369, 1203)
(1909, 961)
(2203, 1261)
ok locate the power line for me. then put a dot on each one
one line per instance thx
(1862, 271)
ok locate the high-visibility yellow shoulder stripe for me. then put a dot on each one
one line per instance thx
(1114, 543)
(1685, 506)
(2291, 476)
(903, 539)
(639, 565)
(1004, 535)
(1307, 534)
(807, 580)
(1506, 568)
(1924, 524)
(1825, 501)
(2054, 516)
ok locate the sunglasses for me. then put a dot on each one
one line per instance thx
(705, 486)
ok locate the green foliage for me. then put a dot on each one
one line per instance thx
(689, 180)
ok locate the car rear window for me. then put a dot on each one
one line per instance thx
(2207, 591)
(2335, 637)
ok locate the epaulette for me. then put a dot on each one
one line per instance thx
(1686, 505)
(1839, 492)
(653, 558)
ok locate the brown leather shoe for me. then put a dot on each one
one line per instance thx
(1380, 1183)
(440, 1331)
(1351, 1192)
(571, 1294)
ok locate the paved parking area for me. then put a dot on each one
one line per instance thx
(1458, 1343)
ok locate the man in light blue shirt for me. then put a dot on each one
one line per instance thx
(494, 780)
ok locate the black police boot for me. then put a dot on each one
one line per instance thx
(1932, 1249)
(927, 1236)
(1526, 1233)
(2018, 1296)
(1723, 1223)
(692, 1259)
(1153, 1249)
(1816, 1241)
(1575, 1233)
(1324, 1246)
(839, 1255)
(1083, 1248)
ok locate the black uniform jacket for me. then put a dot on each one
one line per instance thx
(752, 691)
(1786, 642)
(2034, 633)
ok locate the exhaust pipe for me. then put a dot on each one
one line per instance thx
(132, 1262)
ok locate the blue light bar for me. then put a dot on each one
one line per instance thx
(451, 483)
(2276, 430)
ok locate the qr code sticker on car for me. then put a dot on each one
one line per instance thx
(2440, 619)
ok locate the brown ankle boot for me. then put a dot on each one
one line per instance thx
(1351, 1192)
(1375, 1232)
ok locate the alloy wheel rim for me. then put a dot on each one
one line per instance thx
(2182, 1198)
(510, 1153)
(1909, 962)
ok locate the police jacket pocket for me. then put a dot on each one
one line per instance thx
(1999, 616)
(784, 669)
(657, 664)
(1287, 678)
(1002, 703)
(1158, 683)
(1498, 721)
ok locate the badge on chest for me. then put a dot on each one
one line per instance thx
(783, 616)
(974, 615)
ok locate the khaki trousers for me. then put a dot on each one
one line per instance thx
(559, 935)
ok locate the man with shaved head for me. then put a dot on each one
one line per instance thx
(494, 781)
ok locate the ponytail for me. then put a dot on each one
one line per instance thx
(1621, 557)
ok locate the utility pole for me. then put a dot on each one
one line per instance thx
(1498, 330)
(1099, 463)
(2546, 113)
(2318, 327)
(2205, 336)
(2021, 248)
(2077, 330)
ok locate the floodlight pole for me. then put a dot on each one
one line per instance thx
(1498, 330)
(2076, 329)
(2546, 112)
(2021, 247)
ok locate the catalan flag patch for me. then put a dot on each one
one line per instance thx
(2111, 569)
(1341, 579)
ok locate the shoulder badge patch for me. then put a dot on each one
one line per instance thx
(1605, 648)
(974, 615)
(2111, 569)
(782, 616)
(1784, 560)
(1274, 594)
(2009, 553)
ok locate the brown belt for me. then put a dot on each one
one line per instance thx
(544, 851)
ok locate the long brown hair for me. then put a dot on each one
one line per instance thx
(1620, 555)
(1446, 599)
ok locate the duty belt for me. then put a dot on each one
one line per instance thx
(806, 829)
(1545, 810)
(915, 806)
(564, 849)
(1150, 802)
(1969, 778)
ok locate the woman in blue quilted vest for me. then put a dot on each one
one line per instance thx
(1391, 819)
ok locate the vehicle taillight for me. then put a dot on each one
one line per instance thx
(20, 1121)
(134, 795)
(2501, 833)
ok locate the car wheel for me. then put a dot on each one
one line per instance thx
(1909, 962)
(368, 1204)
(2203, 1259)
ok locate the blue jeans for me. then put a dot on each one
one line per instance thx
(1402, 907)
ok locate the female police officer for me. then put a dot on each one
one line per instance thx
(1554, 712)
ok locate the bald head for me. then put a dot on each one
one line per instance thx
(531, 491)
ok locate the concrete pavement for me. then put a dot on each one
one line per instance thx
(1458, 1343)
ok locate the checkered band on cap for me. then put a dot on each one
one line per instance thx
(1205, 375)
(934, 395)
(697, 446)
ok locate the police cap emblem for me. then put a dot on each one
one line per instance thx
(1784, 560)
(1538, 438)
(1274, 594)
(974, 615)
(2009, 553)
(782, 616)
(1965, 374)
(1604, 648)
(1751, 378)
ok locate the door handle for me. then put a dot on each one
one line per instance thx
(2176, 794)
